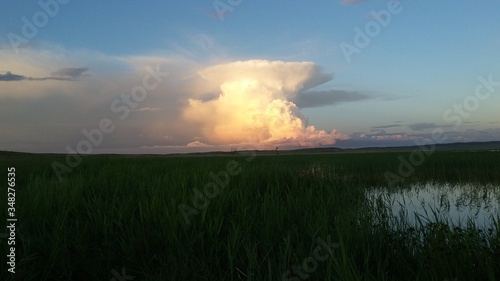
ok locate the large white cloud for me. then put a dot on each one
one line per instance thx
(254, 105)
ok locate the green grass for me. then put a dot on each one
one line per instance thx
(116, 211)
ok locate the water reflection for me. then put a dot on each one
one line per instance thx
(456, 205)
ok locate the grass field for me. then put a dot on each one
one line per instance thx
(240, 217)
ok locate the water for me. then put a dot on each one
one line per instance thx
(456, 205)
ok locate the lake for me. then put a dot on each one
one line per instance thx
(456, 205)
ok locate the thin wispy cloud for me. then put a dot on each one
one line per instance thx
(352, 2)
(147, 109)
(69, 72)
(425, 126)
(386, 126)
(65, 74)
(324, 98)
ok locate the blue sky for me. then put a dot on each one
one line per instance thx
(393, 91)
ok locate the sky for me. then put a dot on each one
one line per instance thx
(196, 75)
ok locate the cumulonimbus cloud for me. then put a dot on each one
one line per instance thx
(255, 106)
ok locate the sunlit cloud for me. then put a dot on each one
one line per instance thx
(254, 105)
(198, 144)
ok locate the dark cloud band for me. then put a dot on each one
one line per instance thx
(64, 74)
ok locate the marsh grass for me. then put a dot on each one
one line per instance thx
(115, 211)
